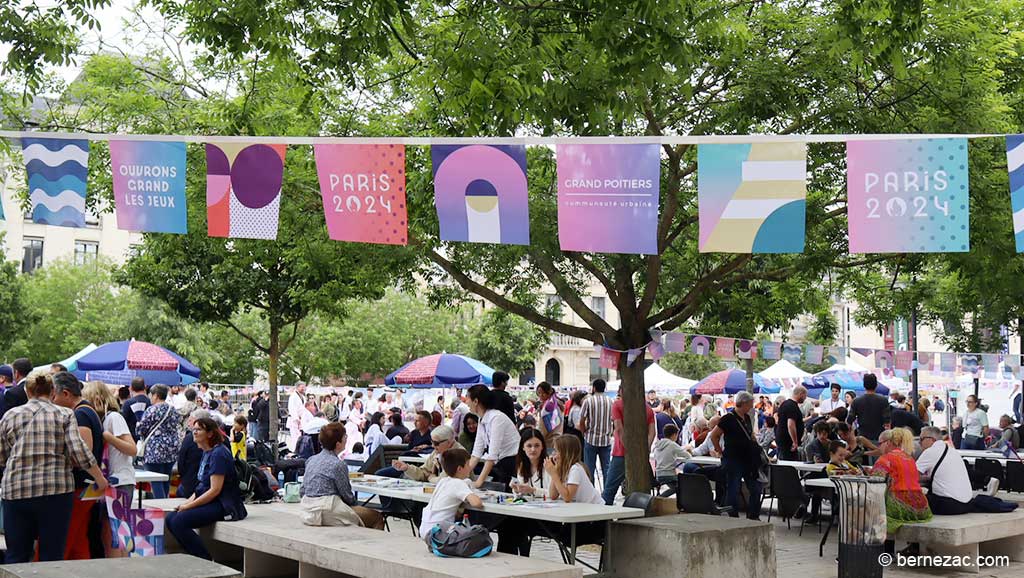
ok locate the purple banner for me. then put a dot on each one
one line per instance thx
(608, 198)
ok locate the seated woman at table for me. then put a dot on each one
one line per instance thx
(327, 498)
(467, 436)
(859, 447)
(216, 498)
(905, 502)
(571, 483)
(838, 461)
(531, 479)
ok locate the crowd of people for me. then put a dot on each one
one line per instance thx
(60, 437)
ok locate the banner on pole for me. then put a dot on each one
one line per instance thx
(632, 355)
(947, 362)
(836, 355)
(792, 353)
(608, 198)
(57, 171)
(813, 354)
(149, 186)
(884, 359)
(904, 360)
(243, 189)
(970, 363)
(609, 359)
(363, 190)
(1015, 164)
(925, 361)
(481, 194)
(991, 364)
(752, 197)
(656, 349)
(908, 196)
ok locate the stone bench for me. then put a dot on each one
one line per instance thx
(692, 545)
(170, 566)
(272, 541)
(970, 535)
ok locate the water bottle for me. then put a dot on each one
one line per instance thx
(465, 520)
(280, 478)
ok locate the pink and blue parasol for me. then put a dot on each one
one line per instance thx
(440, 370)
(118, 362)
(731, 381)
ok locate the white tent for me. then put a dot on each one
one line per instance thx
(783, 369)
(850, 365)
(70, 362)
(656, 378)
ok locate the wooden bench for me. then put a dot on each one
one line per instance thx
(170, 566)
(970, 535)
(273, 541)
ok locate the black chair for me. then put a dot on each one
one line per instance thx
(382, 457)
(1014, 476)
(789, 492)
(694, 496)
(641, 501)
(986, 469)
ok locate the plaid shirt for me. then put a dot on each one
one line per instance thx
(39, 445)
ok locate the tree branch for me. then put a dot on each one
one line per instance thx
(256, 344)
(500, 300)
(700, 287)
(571, 298)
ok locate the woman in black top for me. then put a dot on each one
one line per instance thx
(741, 456)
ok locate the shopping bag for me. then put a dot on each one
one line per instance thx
(137, 531)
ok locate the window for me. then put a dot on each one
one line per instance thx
(596, 371)
(597, 304)
(553, 372)
(33, 257)
(86, 252)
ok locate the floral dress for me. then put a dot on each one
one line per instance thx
(162, 446)
(905, 502)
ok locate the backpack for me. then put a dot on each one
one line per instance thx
(261, 453)
(252, 484)
(449, 540)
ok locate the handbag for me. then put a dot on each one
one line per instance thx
(292, 494)
(141, 451)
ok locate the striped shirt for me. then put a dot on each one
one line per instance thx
(597, 410)
(39, 446)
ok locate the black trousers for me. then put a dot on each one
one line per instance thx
(945, 506)
(45, 518)
(788, 454)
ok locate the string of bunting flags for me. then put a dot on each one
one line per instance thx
(905, 193)
(887, 361)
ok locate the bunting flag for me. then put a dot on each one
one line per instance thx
(57, 171)
(608, 197)
(836, 355)
(675, 342)
(363, 190)
(864, 351)
(814, 354)
(656, 349)
(969, 363)
(1015, 164)
(947, 362)
(991, 363)
(904, 360)
(243, 189)
(908, 196)
(609, 358)
(884, 359)
(149, 186)
(1012, 365)
(632, 355)
(771, 350)
(480, 193)
(925, 361)
(725, 348)
(700, 344)
(792, 353)
(746, 349)
(752, 197)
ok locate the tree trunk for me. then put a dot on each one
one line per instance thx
(634, 426)
(274, 354)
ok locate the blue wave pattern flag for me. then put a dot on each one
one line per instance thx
(1015, 162)
(57, 172)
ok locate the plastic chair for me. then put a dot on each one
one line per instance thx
(789, 492)
(694, 496)
(1014, 476)
(641, 501)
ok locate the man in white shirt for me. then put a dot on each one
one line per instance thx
(831, 404)
(297, 414)
(950, 486)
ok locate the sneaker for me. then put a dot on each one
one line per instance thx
(993, 487)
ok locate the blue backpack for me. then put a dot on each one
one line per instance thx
(449, 540)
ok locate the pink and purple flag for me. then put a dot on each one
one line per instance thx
(363, 189)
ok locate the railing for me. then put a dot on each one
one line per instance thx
(560, 340)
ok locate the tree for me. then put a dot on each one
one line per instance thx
(691, 365)
(645, 68)
(507, 342)
(377, 337)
